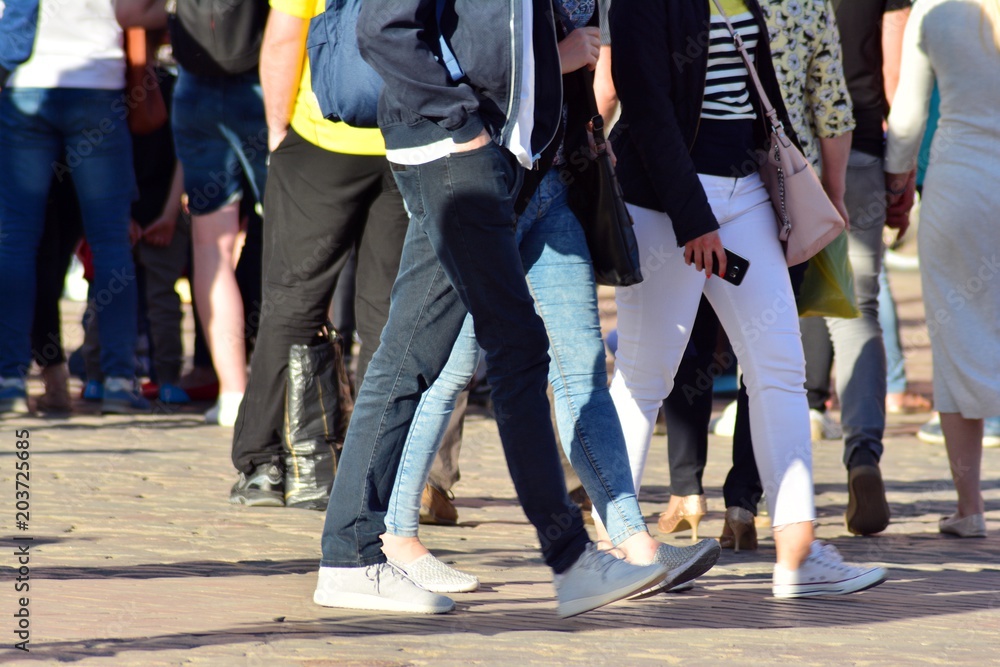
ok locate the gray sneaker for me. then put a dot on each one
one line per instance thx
(683, 564)
(598, 578)
(430, 573)
(379, 587)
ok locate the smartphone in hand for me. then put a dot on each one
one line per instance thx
(736, 267)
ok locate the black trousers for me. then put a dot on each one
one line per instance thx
(318, 205)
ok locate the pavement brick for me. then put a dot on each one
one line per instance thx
(138, 559)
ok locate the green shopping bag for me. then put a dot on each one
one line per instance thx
(828, 286)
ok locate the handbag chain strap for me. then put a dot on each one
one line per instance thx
(776, 125)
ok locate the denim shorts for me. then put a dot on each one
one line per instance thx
(221, 138)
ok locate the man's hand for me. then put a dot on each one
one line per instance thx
(275, 136)
(900, 192)
(702, 250)
(134, 232)
(483, 139)
(161, 232)
(580, 48)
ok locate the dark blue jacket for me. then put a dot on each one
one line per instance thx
(17, 34)
(420, 104)
(659, 67)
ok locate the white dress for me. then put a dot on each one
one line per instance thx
(948, 41)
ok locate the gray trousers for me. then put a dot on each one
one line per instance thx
(163, 266)
(859, 351)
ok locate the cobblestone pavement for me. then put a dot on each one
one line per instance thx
(138, 559)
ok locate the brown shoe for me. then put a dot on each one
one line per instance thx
(56, 397)
(867, 509)
(436, 508)
(582, 500)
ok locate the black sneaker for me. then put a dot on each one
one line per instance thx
(263, 487)
(867, 509)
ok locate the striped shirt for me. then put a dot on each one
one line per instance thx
(727, 86)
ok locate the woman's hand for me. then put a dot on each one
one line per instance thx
(580, 48)
(702, 250)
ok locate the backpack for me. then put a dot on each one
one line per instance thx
(346, 87)
(218, 37)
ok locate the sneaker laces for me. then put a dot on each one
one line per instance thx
(376, 573)
(828, 554)
(600, 561)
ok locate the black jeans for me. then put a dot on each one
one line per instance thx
(318, 206)
(460, 256)
(688, 408)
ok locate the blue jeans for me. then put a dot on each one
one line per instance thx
(460, 256)
(221, 134)
(561, 279)
(78, 133)
(895, 380)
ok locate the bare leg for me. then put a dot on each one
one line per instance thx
(402, 549)
(964, 440)
(218, 296)
(792, 543)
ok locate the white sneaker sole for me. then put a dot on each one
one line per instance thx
(376, 603)
(581, 605)
(862, 582)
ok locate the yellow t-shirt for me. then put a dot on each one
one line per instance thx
(307, 120)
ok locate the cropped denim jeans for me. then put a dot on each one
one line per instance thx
(78, 133)
(561, 280)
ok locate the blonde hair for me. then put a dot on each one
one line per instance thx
(991, 17)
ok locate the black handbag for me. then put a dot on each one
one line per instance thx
(318, 407)
(595, 197)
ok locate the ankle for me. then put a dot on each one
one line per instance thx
(639, 548)
(402, 548)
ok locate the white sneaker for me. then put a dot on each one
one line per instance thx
(725, 424)
(598, 578)
(225, 410)
(379, 587)
(822, 426)
(430, 573)
(824, 572)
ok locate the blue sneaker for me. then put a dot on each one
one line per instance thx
(13, 396)
(122, 397)
(93, 391)
(171, 394)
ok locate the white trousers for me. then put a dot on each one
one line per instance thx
(654, 323)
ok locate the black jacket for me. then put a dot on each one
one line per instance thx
(420, 103)
(659, 67)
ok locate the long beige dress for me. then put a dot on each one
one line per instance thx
(948, 41)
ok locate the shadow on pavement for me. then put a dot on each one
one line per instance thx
(723, 602)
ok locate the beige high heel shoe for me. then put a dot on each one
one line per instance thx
(682, 513)
(739, 530)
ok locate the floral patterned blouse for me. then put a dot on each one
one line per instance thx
(805, 47)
